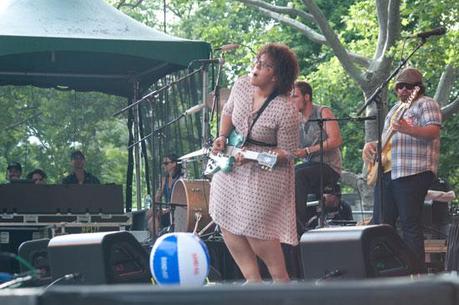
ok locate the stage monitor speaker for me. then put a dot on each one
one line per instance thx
(99, 258)
(35, 252)
(356, 252)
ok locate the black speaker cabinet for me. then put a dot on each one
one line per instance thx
(36, 253)
(99, 258)
(356, 252)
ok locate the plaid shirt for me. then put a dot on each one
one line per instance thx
(412, 155)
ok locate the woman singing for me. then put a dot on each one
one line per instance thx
(255, 208)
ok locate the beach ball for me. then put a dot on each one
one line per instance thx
(179, 259)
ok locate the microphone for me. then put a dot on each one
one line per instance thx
(194, 109)
(228, 47)
(218, 61)
(205, 62)
(434, 32)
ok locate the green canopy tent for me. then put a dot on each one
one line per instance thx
(86, 45)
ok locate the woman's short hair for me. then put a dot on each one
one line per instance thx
(285, 65)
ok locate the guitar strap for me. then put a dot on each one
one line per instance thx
(260, 111)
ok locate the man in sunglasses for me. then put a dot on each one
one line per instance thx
(410, 158)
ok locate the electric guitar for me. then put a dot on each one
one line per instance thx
(224, 161)
(387, 136)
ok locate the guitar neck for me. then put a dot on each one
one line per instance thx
(251, 155)
(390, 130)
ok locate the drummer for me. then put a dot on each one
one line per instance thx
(172, 173)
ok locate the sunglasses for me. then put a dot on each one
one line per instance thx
(400, 86)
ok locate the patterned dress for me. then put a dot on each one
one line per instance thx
(249, 200)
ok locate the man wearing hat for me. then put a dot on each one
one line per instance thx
(337, 211)
(335, 207)
(13, 171)
(79, 175)
(411, 158)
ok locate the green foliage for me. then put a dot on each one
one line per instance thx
(41, 127)
(220, 22)
(56, 120)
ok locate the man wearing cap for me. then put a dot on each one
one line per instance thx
(335, 207)
(79, 175)
(13, 171)
(337, 210)
(412, 159)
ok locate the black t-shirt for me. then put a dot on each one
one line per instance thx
(88, 179)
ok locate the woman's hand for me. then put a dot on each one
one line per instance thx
(219, 144)
(240, 160)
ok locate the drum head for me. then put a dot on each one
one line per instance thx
(195, 194)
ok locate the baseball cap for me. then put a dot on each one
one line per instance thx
(16, 165)
(77, 154)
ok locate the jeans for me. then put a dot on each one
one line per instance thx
(404, 199)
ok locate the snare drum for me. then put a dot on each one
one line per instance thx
(194, 196)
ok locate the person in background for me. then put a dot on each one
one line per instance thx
(172, 173)
(79, 175)
(13, 171)
(307, 174)
(337, 210)
(37, 176)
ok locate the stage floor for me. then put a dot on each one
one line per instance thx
(428, 290)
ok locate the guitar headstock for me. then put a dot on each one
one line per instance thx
(267, 160)
(211, 167)
(413, 96)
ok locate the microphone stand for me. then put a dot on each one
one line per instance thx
(159, 129)
(320, 122)
(216, 98)
(376, 98)
(156, 92)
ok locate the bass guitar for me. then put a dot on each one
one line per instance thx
(387, 136)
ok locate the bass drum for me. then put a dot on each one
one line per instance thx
(192, 202)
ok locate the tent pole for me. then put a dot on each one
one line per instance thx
(136, 147)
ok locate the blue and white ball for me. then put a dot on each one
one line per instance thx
(179, 259)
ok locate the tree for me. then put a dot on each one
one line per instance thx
(369, 69)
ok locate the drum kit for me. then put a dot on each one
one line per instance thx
(188, 209)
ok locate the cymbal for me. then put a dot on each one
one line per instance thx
(197, 153)
(224, 96)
